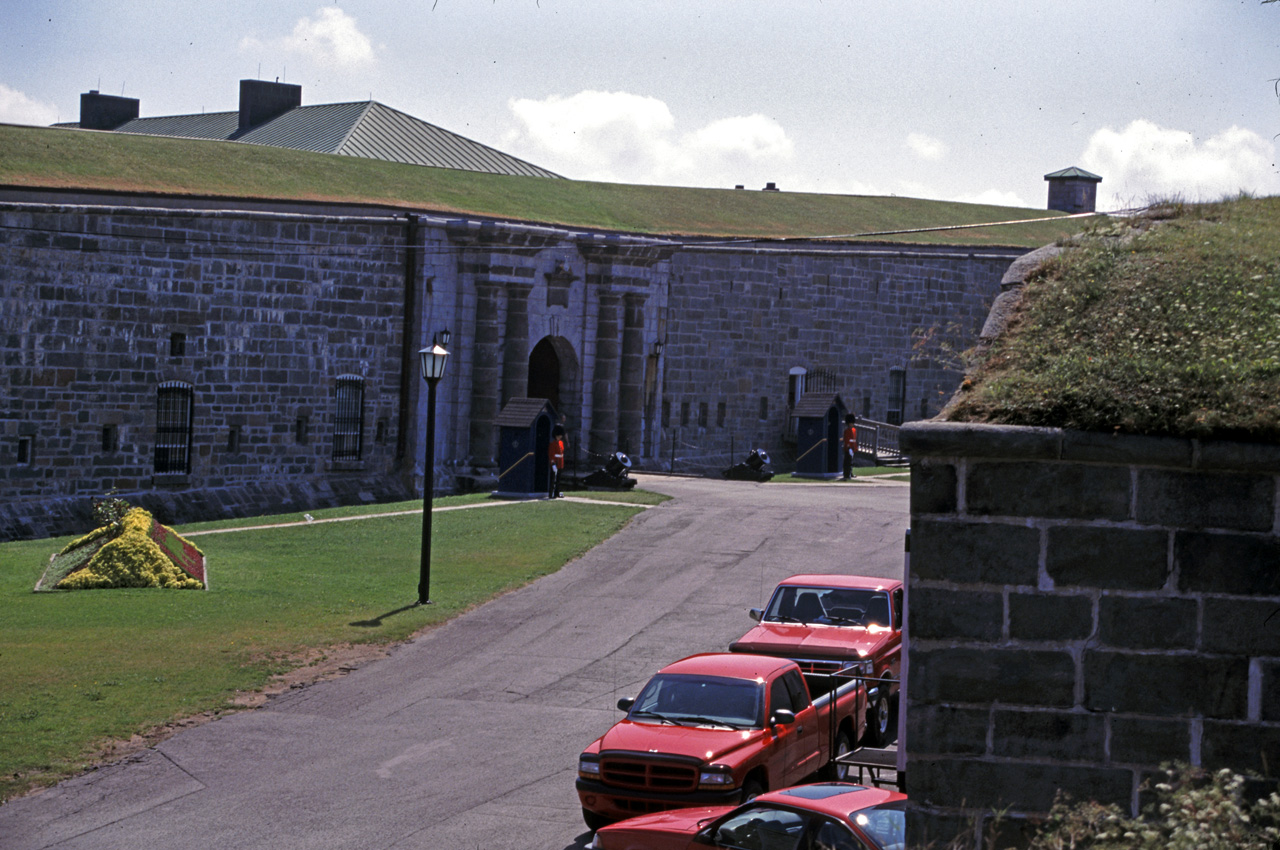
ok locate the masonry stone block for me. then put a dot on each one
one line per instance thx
(1269, 690)
(1166, 685)
(972, 553)
(983, 675)
(1206, 499)
(1126, 449)
(933, 488)
(965, 439)
(1242, 747)
(1110, 558)
(1150, 740)
(947, 730)
(1050, 616)
(1054, 491)
(1144, 622)
(1238, 564)
(1023, 786)
(1055, 735)
(947, 614)
(1247, 627)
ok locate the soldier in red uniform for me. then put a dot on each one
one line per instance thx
(850, 443)
(555, 457)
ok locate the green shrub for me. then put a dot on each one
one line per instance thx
(1193, 809)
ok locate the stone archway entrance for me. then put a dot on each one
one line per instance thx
(553, 375)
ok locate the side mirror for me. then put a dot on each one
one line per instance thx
(625, 704)
(781, 717)
(756, 614)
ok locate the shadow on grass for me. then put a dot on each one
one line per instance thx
(377, 621)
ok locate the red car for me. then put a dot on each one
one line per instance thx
(829, 816)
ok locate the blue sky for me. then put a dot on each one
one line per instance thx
(951, 100)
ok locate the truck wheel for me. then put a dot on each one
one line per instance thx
(835, 770)
(593, 820)
(878, 722)
(751, 789)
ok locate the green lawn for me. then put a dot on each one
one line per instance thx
(82, 667)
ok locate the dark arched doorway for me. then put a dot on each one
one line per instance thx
(544, 373)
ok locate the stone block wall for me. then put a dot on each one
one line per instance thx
(1083, 608)
(740, 320)
(259, 313)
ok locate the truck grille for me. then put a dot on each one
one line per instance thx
(648, 775)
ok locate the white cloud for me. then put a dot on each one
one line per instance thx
(926, 147)
(331, 37)
(1144, 160)
(17, 108)
(623, 137)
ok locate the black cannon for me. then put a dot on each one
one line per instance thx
(754, 468)
(612, 476)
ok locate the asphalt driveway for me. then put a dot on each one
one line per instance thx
(468, 736)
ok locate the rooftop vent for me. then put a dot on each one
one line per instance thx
(1073, 190)
(771, 187)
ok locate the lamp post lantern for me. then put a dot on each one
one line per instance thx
(433, 362)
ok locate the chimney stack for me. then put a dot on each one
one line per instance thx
(260, 101)
(106, 111)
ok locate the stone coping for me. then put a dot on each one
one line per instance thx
(934, 438)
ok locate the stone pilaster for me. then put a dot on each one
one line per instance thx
(485, 376)
(604, 408)
(631, 380)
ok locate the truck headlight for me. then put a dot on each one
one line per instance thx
(589, 767)
(715, 777)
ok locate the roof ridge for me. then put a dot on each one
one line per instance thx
(368, 105)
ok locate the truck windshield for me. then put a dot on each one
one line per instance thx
(833, 606)
(700, 701)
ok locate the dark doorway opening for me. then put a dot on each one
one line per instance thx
(544, 373)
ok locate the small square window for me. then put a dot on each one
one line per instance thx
(764, 407)
(177, 344)
(25, 445)
(702, 414)
(110, 439)
(720, 413)
(301, 430)
(380, 432)
(233, 439)
(666, 411)
(684, 413)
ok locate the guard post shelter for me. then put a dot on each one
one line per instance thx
(524, 432)
(819, 422)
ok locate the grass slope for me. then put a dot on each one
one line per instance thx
(78, 669)
(77, 159)
(1160, 325)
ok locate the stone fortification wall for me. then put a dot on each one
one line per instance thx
(1084, 607)
(259, 314)
(741, 320)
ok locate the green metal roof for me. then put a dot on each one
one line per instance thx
(365, 129)
(1078, 173)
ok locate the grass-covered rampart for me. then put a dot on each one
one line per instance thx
(1162, 324)
(32, 157)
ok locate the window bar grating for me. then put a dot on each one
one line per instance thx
(348, 426)
(173, 428)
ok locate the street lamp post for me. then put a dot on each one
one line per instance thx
(433, 360)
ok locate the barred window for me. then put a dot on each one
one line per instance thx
(897, 396)
(173, 427)
(348, 421)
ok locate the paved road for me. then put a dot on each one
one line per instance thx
(468, 736)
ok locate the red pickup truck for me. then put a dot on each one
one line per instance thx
(828, 622)
(717, 729)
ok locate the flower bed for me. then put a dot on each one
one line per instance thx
(138, 552)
